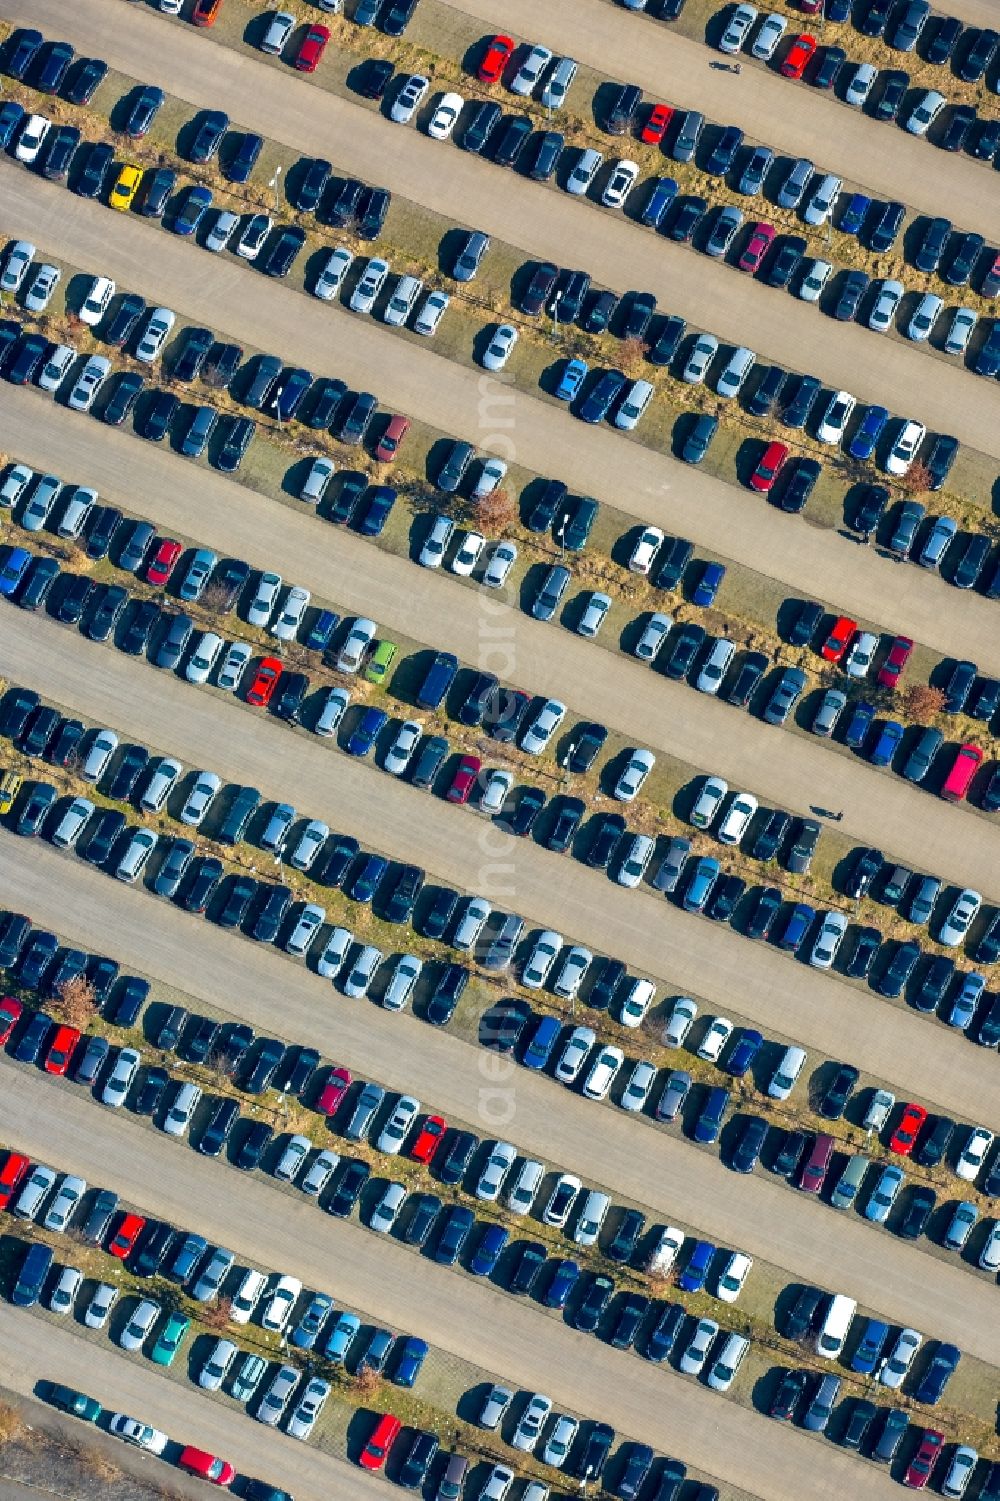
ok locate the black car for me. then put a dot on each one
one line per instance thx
(240, 434)
(348, 1190)
(884, 226)
(425, 1209)
(531, 1257)
(235, 1040)
(509, 140)
(22, 49)
(860, 1418)
(824, 73)
(207, 139)
(310, 186)
(36, 955)
(587, 743)
(153, 422)
(261, 1065)
(84, 79)
(282, 253)
(150, 1253)
(327, 396)
(894, 83)
(622, 109)
(672, 557)
(51, 66)
(131, 995)
(419, 1457)
(253, 1145)
(786, 257)
(452, 1161)
(95, 1226)
(60, 148)
(225, 1114)
(483, 117)
(934, 1146)
(668, 337)
(541, 161)
(519, 817)
(187, 365)
(593, 1454)
(799, 484)
(788, 1394)
(698, 440)
(287, 701)
(985, 141)
(446, 994)
(928, 253)
(853, 286)
(38, 584)
(746, 1152)
(725, 897)
(943, 451)
(973, 59)
(868, 864)
(686, 645)
(592, 1306)
(73, 598)
(626, 1237)
(837, 1093)
(934, 982)
(102, 831)
(123, 398)
(88, 180)
(32, 1040)
(539, 289)
(800, 402)
(606, 833)
(568, 817)
(272, 907)
(38, 730)
(373, 206)
(723, 154)
(786, 1159)
(142, 619)
(630, 1480)
(599, 312)
(397, 904)
(26, 359)
(238, 166)
(917, 1207)
(375, 78)
(145, 104)
(960, 259)
(630, 1310)
(663, 1334)
(157, 186)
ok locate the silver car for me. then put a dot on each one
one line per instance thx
(275, 1399)
(200, 798)
(390, 1138)
(216, 1366)
(308, 1408)
(99, 1308)
(370, 285)
(706, 347)
(498, 1165)
(528, 1430)
(694, 1357)
(119, 1081)
(333, 269)
(889, 297)
(63, 1206)
(736, 32)
(139, 1325)
(90, 380)
(355, 984)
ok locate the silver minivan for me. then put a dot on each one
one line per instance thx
(850, 1181)
(788, 1070)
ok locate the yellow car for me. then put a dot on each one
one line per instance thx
(125, 188)
(10, 786)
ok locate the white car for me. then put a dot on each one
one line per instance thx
(694, 1357)
(703, 352)
(715, 666)
(161, 320)
(893, 1369)
(182, 1108)
(56, 367)
(442, 122)
(640, 1083)
(19, 258)
(405, 975)
(370, 285)
(32, 138)
(222, 230)
(632, 865)
(331, 960)
(559, 1204)
(530, 71)
(602, 1072)
(498, 1165)
(90, 380)
(722, 1371)
(276, 1396)
(588, 164)
(501, 561)
(119, 1081)
(543, 726)
(217, 1363)
(635, 1002)
(294, 1154)
(436, 542)
(60, 1211)
(201, 797)
(255, 232)
(320, 1171)
(265, 598)
(390, 1138)
(541, 959)
(656, 632)
(43, 284)
(772, 29)
(402, 301)
(735, 34)
(283, 1298)
(860, 85)
(332, 712)
(857, 663)
(679, 1022)
(814, 279)
(498, 350)
(924, 112)
(709, 800)
(924, 316)
(400, 752)
(310, 919)
(490, 476)
(560, 1441)
(528, 1430)
(290, 616)
(33, 1191)
(430, 315)
(99, 1308)
(974, 1153)
(97, 300)
(495, 786)
(833, 423)
(959, 332)
(279, 30)
(719, 1032)
(139, 1325)
(141, 1435)
(573, 967)
(409, 98)
(574, 1054)
(386, 1211)
(475, 916)
(330, 277)
(889, 297)
(309, 843)
(733, 1276)
(904, 450)
(98, 755)
(644, 551)
(637, 769)
(247, 1295)
(359, 639)
(204, 657)
(594, 615)
(362, 972)
(467, 556)
(822, 199)
(828, 940)
(738, 816)
(308, 1408)
(237, 656)
(665, 1251)
(620, 184)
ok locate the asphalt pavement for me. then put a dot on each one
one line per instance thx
(545, 223)
(474, 1321)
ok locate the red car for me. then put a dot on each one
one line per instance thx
(384, 1435)
(130, 1227)
(655, 127)
(312, 48)
(835, 645)
(388, 444)
(336, 1085)
(10, 1014)
(767, 471)
(264, 683)
(11, 1176)
(498, 55)
(892, 668)
(810, 7)
(60, 1050)
(906, 1132)
(924, 1460)
(208, 1466)
(430, 1137)
(798, 55)
(205, 12)
(756, 247)
(464, 779)
(161, 564)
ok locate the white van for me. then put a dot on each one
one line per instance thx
(785, 1075)
(591, 1217)
(834, 1328)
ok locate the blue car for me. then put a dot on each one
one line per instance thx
(659, 200)
(861, 720)
(487, 1252)
(887, 743)
(306, 1331)
(456, 1230)
(572, 379)
(543, 1041)
(870, 1346)
(862, 445)
(341, 1336)
(412, 1352)
(709, 1122)
(14, 564)
(564, 1279)
(707, 587)
(366, 732)
(748, 1045)
(192, 211)
(694, 1275)
(853, 216)
(704, 875)
(800, 920)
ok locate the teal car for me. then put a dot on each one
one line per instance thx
(77, 1403)
(169, 1341)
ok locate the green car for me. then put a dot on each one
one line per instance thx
(78, 1403)
(169, 1342)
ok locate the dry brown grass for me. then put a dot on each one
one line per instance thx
(12, 1425)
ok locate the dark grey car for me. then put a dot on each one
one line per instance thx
(784, 695)
(365, 1110)
(173, 645)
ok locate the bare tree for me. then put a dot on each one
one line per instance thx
(76, 1002)
(214, 600)
(496, 513)
(631, 357)
(367, 1382)
(917, 479)
(217, 1316)
(921, 702)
